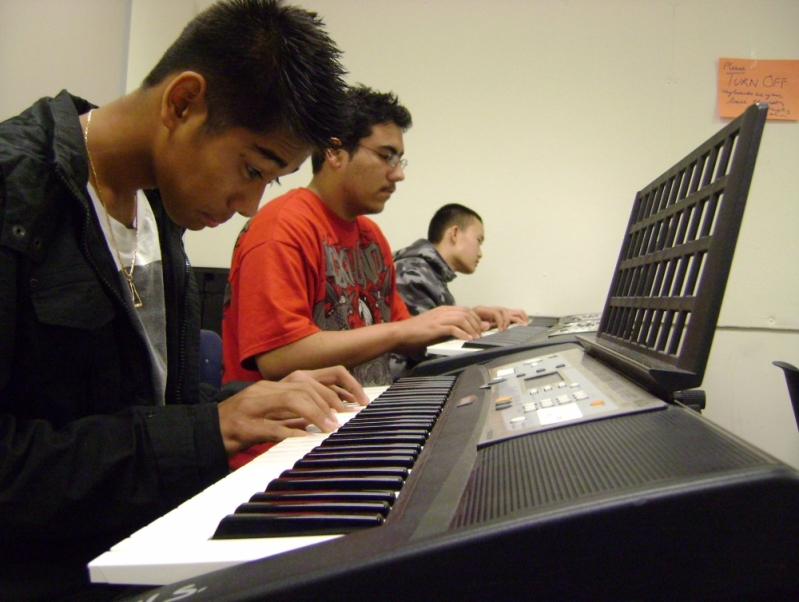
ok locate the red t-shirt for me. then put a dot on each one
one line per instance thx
(298, 268)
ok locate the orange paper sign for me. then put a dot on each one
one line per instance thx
(744, 81)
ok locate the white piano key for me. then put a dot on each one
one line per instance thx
(179, 546)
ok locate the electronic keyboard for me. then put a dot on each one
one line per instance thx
(549, 476)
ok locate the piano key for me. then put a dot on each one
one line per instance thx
(344, 451)
(335, 439)
(421, 422)
(356, 461)
(386, 448)
(326, 507)
(335, 483)
(400, 388)
(377, 428)
(378, 471)
(386, 431)
(412, 404)
(179, 545)
(281, 525)
(409, 408)
(373, 495)
(402, 412)
(422, 398)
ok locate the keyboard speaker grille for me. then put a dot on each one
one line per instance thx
(605, 457)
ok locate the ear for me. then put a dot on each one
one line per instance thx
(184, 98)
(453, 233)
(335, 155)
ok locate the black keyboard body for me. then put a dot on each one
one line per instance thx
(657, 505)
(516, 335)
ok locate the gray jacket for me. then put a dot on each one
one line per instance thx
(422, 277)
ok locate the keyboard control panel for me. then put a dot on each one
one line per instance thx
(557, 389)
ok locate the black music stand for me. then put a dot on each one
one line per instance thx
(665, 297)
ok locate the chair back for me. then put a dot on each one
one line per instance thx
(210, 358)
(792, 380)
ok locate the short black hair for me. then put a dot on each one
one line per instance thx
(364, 109)
(269, 67)
(447, 216)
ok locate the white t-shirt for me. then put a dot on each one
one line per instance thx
(148, 277)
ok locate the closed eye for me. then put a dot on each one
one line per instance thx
(254, 174)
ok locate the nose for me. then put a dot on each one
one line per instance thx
(247, 204)
(397, 174)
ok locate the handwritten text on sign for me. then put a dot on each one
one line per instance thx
(744, 81)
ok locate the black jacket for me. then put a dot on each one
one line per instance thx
(85, 456)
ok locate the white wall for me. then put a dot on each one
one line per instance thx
(547, 116)
(50, 45)
(544, 116)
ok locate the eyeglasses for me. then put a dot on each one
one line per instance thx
(391, 159)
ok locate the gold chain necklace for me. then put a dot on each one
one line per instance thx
(127, 273)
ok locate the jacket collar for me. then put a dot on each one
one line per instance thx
(46, 136)
(426, 250)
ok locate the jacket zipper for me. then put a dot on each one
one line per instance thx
(114, 290)
(183, 325)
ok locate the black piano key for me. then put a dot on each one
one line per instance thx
(396, 448)
(411, 400)
(326, 507)
(372, 438)
(400, 388)
(362, 450)
(356, 461)
(382, 415)
(423, 422)
(354, 471)
(421, 397)
(427, 393)
(400, 413)
(386, 436)
(237, 526)
(414, 400)
(401, 404)
(428, 379)
(386, 420)
(398, 404)
(336, 483)
(377, 427)
(389, 497)
(356, 430)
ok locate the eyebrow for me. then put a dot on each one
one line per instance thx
(392, 150)
(271, 155)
